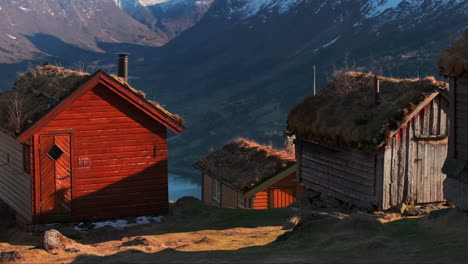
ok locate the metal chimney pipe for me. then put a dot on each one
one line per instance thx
(123, 66)
(377, 90)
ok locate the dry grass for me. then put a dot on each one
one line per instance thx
(36, 92)
(345, 113)
(454, 61)
(196, 233)
(244, 164)
(154, 103)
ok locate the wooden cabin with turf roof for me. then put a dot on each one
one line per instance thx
(78, 147)
(245, 174)
(453, 64)
(373, 142)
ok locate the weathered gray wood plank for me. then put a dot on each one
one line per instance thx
(15, 184)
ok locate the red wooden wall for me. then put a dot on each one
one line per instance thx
(118, 157)
(280, 194)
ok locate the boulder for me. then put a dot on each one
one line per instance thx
(400, 208)
(53, 240)
(291, 223)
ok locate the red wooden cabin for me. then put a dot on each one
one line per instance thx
(82, 147)
(244, 174)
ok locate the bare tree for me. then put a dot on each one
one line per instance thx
(15, 111)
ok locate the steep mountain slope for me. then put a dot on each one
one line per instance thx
(82, 23)
(169, 16)
(236, 67)
(240, 70)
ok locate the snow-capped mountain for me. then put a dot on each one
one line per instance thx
(238, 66)
(247, 63)
(169, 16)
(82, 23)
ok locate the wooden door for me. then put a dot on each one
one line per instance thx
(55, 174)
(282, 197)
(429, 179)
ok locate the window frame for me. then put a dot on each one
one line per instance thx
(240, 200)
(216, 192)
(26, 158)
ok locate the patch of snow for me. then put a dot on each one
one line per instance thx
(328, 44)
(331, 42)
(377, 7)
(253, 7)
(121, 224)
(357, 24)
(153, 2)
(321, 6)
(25, 9)
(12, 37)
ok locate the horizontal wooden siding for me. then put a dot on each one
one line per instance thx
(119, 157)
(15, 183)
(345, 175)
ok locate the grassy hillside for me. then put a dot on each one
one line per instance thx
(195, 233)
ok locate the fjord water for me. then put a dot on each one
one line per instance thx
(183, 185)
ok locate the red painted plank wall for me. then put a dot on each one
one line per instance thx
(262, 199)
(119, 157)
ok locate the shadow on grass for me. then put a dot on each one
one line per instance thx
(357, 239)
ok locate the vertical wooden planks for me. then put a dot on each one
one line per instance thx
(412, 148)
(387, 176)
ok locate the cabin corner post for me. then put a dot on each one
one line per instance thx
(379, 179)
(299, 159)
(452, 118)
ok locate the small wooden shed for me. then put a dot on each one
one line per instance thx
(454, 65)
(80, 147)
(244, 174)
(374, 142)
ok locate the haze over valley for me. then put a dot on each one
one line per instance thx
(230, 68)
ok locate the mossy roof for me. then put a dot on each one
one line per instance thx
(37, 92)
(244, 164)
(345, 111)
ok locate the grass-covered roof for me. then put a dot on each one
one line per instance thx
(37, 92)
(345, 111)
(454, 61)
(244, 164)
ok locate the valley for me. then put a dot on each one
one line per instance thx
(231, 68)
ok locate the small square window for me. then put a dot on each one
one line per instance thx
(26, 158)
(240, 201)
(216, 190)
(55, 153)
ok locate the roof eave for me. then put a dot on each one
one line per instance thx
(102, 77)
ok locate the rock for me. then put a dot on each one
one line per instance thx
(291, 223)
(53, 240)
(138, 241)
(401, 208)
(9, 257)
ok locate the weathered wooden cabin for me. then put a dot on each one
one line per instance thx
(80, 147)
(454, 65)
(244, 174)
(374, 142)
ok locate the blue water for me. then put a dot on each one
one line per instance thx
(180, 186)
